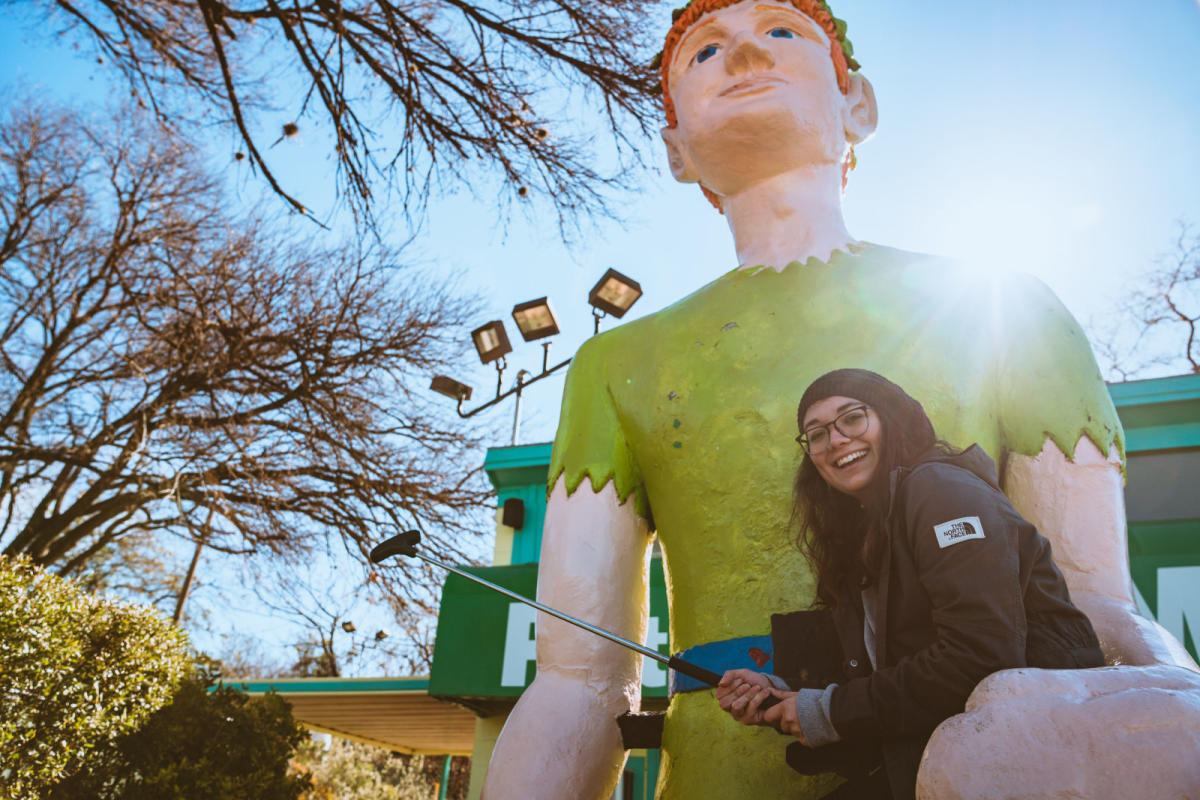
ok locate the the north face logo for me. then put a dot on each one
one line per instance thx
(958, 530)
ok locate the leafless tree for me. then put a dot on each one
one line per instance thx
(168, 369)
(242, 656)
(1153, 329)
(332, 628)
(138, 566)
(406, 90)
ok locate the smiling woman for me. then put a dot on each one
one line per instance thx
(931, 578)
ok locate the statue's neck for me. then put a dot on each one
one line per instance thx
(789, 217)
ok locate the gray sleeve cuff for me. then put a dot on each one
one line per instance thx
(778, 682)
(812, 709)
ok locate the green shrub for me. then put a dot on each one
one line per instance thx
(76, 671)
(210, 743)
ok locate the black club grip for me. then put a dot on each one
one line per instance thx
(711, 678)
(693, 671)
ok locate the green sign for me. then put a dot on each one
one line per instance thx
(1164, 558)
(485, 644)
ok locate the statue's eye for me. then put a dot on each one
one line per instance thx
(706, 52)
(781, 33)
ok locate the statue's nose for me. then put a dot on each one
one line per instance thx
(747, 53)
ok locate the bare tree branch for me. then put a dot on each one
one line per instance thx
(169, 370)
(409, 92)
(1154, 327)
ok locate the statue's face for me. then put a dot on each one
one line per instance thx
(755, 90)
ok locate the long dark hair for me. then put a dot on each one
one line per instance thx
(839, 534)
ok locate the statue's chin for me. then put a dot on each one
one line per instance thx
(755, 146)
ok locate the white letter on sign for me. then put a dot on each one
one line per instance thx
(654, 673)
(1179, 599)
(520, 644)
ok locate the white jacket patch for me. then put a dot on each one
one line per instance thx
(958, 530)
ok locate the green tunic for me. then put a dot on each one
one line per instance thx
(692, 412)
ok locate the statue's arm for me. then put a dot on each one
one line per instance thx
(1079, 505)
(562, 740)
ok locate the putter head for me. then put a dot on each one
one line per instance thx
(402, 544)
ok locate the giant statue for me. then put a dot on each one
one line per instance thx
(681, 425)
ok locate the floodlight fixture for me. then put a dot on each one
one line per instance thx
(615, 293)
(535, 319)
(443, 384)
(491, 341)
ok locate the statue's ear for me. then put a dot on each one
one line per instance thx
(862, 115)
(678, 157)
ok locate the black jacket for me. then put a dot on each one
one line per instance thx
(966, 587)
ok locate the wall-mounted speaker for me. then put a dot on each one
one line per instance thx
(513, 513)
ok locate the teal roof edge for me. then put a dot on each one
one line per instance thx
(328, 685)
(517, 456)
(1155, 390)
(518, 466)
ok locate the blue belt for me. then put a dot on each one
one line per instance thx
(744, 652)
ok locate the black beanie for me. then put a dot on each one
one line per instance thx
(869, 387)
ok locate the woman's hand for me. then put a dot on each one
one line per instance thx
(783, 717)
(741, 693)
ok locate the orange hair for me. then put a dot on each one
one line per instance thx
(813, 9)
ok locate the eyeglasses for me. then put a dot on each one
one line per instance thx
(851, 423)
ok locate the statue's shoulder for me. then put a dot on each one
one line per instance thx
(956, 274)
(882, 257)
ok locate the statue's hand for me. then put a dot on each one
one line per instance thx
(1113, 732)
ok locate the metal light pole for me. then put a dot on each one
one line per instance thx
(521, 376)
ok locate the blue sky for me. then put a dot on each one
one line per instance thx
(1054, 138)
(1058, 138)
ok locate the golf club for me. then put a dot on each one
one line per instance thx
(405, 544)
